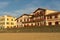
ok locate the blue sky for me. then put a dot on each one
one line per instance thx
(18, 7)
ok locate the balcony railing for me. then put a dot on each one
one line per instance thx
(53, 19)
(34, 20)
(34, 25)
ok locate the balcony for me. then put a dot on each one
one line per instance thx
(34, 20)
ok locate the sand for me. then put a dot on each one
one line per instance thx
(29, 36)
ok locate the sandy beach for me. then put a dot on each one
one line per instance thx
(29, 36)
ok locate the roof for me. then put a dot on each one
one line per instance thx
(55, 13)
(50, 12)
(7, 15)
(39, 9)
(23, 15)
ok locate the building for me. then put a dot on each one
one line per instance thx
(53, 19)
(21, 21)
(39, 17)
(7, 21)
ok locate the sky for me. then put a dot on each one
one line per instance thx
(18, 7)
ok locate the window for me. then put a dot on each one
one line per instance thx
(7, 19)
(17, 25)
(7, 26)
(24, 20)
(11, 19)
(12, 23)
(50, 17)
(42, 12)
(56, 16)
(38, 13)
(7, 22)
(27, 19)
(17, 20)
(38, 24)
(44, 23)
(56, 23)
(50, 23)
(47, 17)
(11, 26)
(31, 24)
(20, 20)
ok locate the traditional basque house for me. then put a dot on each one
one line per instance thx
(39, 17)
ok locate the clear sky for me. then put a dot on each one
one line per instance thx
(19, 7)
